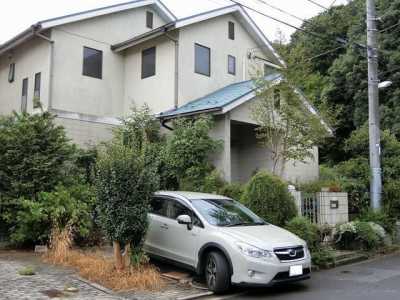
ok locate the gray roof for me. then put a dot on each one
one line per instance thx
(217, 100)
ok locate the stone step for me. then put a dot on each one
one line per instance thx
(340, 255)
(347, 260)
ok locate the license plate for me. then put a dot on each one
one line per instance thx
(295, 271)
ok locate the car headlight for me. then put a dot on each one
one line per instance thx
(307, 251)
(252, 251)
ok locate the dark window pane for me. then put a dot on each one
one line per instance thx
(158, 206)
(149, 19)
(149, 62)
(177, 209)
(277, 99)
(92, 62)
(231, 64)
(24, 95)
(231, 30)
(11, 73)
(37, 85)
(202, 60)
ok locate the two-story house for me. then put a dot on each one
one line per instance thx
(89, 69)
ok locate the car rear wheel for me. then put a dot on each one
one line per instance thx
(217, 273)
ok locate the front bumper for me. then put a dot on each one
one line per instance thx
(267, 272)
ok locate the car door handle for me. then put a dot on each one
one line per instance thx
(164, 226)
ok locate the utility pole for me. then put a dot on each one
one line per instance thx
(373, 111)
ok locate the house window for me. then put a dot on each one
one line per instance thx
(268, 70)
(92, 63)
(11, 73)
(24, 96)
(231, 65)
(231, 30)
(149, 19)
(36, 91)
(149, 62)
(202, 63)
(277, 99)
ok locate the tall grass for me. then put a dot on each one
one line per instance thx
(94, 266)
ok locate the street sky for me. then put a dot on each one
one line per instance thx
(17, 15)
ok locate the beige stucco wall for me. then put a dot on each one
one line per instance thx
(303, 172)
(156, 91)
(85, 134)
(213, 33)
(29, 59)
(77, 93)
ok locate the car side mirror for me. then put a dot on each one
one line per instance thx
(184, 219)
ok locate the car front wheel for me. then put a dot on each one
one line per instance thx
(217, 273)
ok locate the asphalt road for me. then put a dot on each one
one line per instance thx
(378, 279)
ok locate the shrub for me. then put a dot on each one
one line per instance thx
(188, 150)
(381, 218)
(359, 235)
(125, 183)
(323, 257)
(306, 230)
(65, 207)
(35, 156)
(232, 190)
(268, 196)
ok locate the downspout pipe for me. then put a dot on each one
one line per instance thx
(176, 87)
(51, 64)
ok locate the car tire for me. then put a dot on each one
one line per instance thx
(217, 273)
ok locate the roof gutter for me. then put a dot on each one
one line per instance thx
(192, 113)
(20, 38)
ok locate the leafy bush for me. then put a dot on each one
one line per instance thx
(323, 257)
(125, 183)
(268, 196)
(306, 230)
(382, 218)
(187, 152)
(359, 235)
(65, 207)
(232, 190)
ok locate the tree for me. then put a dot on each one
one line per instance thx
(126, 179)
(287, 128)
(35, 156)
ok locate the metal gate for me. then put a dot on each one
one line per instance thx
(310, 207)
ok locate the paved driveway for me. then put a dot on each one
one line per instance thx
(46, 284)
(372, 280)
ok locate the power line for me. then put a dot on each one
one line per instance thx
(390, 27)
(317, 4)
(284, 11)
(325, 53)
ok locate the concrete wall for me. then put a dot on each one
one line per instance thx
(29, 59)
(328, 212)
(298, 172)
(158, 91)
(213, 33)
(86, 134)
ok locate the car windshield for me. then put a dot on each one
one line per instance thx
(226, 213)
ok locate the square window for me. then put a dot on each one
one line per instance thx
(149, 62)
(231, 30)
(11, 73)
(202, 63)
(149, 19)
(92, 63)
(231, 65)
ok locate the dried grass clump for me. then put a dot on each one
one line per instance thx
(93, 266)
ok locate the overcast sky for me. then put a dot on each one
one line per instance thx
(17, 15)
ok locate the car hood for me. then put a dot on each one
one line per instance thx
(266, 237)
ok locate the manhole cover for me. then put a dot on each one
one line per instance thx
(53, 293)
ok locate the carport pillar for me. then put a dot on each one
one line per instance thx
(227, 148)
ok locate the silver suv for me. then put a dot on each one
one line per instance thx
(218, 237)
